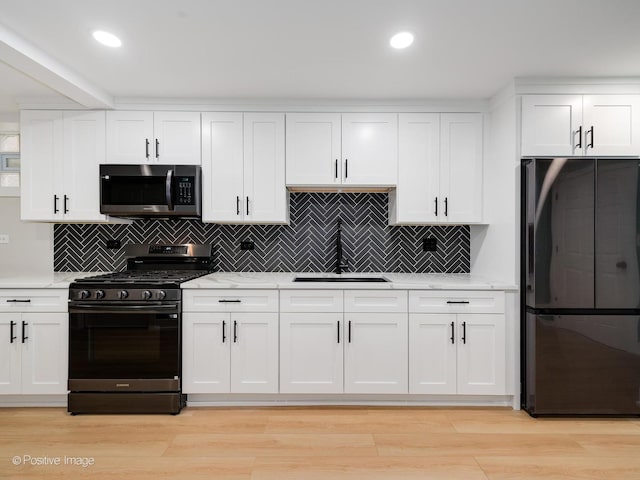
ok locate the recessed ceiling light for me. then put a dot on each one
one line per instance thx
(106, 38)
(401, 40)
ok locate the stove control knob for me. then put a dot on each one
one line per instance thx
(162, 294)
(146, 295)
(99, 294)
(123, 294)
(85, 294)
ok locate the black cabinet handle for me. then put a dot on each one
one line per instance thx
(55, 204)
(24, 331)
(446, 206)
(157, 148)
(436, 211)
(349, 332)
(19, 300)
(579, 133)
(336, 168)
(590, 144)
(237, 205)
(229, 301)
(457, 301)
(346, 167)
(338, 331)
(464, 332)
(452, 333)
(146, 148)
(247, 205)
(224, 326)
(235, 331)
(66, 200)
(11, 336)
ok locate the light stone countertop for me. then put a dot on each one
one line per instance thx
(51, 280)
(401, 281)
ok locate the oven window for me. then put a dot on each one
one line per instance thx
(134, 190)
(124, 345)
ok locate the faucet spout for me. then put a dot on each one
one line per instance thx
(342, 265)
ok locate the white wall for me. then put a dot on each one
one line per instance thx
(494, 247)
(30, 247)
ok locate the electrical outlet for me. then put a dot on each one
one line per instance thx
(113, 244)
(430, 244)
(4, 238)
(247, 245)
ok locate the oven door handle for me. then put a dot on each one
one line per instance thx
(123, 308)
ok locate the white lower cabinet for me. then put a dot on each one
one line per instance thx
(34, 353)
(457, 353)
(231, 346)
(353, 341)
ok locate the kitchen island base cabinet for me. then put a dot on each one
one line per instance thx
(33, 359)
(230, 352)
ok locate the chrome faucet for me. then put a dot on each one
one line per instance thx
(342, 264)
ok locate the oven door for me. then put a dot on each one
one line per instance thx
(124, 347)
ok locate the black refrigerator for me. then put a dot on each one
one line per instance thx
(580, 286)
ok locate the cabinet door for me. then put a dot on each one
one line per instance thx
(370, 149)
(206, 353)
(432, 353)
(481, 354)
(311, 353)
(41, 165)
(414, 201)
(130, 137)
(461, 167)
(177, 137)
(265, 195)
(84, 151)
(45, 353)
(254, 353)
(10, 364)
(551, 125)
(376, 353)
(313, 149)
(610, 124)
(222, 168)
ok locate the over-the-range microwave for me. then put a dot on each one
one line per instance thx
(150, 190)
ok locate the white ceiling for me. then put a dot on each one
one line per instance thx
(322, 49)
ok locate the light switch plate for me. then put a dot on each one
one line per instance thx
(4, 238)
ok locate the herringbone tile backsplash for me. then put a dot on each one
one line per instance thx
(308, 244)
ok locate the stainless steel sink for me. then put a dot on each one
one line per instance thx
(341, 279)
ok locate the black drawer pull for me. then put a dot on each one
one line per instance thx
(458, 301)
(464, 332)
(452, 333)
(338, 331)
(235, 331)
(229, 301)
(224, 324)
(18, 300)
(24, 331)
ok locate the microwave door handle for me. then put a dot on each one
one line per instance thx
(168, 189)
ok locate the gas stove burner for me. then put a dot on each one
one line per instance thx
(145, 276)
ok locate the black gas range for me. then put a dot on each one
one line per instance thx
(125, 345)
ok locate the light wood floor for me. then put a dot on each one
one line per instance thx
(320, 443)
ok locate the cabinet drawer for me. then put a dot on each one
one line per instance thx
(33, 300)
(366, 301)
(311, 301)
(460, 301)
(230, 300)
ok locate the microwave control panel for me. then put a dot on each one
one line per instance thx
(185, 188)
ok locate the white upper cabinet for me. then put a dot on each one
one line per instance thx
(439, 169)
(576, 125)
(328, 149)
(314, 149)
(243, 168)
(153, 137)
(61, 154)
